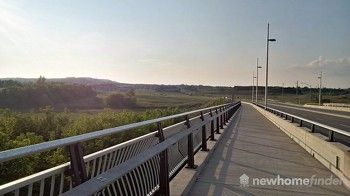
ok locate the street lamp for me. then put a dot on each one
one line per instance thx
(268, 40)
(257, 79)
(320, 90)
(282, 92)
(253, 88)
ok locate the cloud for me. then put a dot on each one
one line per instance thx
(321, 63)
(336, 67)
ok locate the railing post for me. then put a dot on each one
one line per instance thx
(292, 119)
(204, 135)
(77, 164)
(212, 136)
(190, 150)
(300, 123)
(223, 115)
(331, 136)
(227, 114)
(312, 128)
(217, 122)
(221, 119)
(163, 166)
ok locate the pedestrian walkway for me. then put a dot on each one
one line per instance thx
(256, 148)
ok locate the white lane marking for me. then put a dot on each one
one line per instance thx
(330, 114)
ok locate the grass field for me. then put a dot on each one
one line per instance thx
(161, 100)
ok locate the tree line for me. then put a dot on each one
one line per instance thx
(27, 96)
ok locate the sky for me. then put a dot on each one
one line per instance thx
(177, 42)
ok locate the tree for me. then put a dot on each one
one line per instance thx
(41, 81)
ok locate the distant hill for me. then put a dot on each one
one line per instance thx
(69, 80)
(104, 85)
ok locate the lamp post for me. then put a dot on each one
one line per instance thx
(268, 40)
(253, 88)
(282, 92)
(320, 91)
(257, 79)
(297, 92)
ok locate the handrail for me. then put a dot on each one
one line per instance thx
(313, 123)
(97, 183)
(144, 170)
(46, 146)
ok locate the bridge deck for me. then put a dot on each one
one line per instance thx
(257, 148)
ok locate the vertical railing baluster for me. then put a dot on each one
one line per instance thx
(52, 185)
(204, 134)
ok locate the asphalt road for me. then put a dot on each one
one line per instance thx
(318, 109)
(333, 119)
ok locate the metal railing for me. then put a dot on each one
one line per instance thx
(135, 167)
(313, 125)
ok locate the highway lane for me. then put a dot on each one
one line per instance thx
(317, 109)
(340, 121)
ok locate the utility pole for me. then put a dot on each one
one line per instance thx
(253, 88)
(297, 92)
(320, 90)
(268, 40)
(257, 79)
(282, 91)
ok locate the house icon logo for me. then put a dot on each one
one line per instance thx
(244, 180)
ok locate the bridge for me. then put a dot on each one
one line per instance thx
(231, 149)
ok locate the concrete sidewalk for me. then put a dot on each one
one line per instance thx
(259, 149)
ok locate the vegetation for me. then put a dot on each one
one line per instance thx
(44, 109)
(118, 100)
(41, 94)
(20, 127)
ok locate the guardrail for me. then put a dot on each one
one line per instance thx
(312, 124)
(141, 166)
(344, 105)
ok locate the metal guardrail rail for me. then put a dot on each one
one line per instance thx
(313, 124)
(141, 166)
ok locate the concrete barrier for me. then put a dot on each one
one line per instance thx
(329, 107)
(333, 155)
